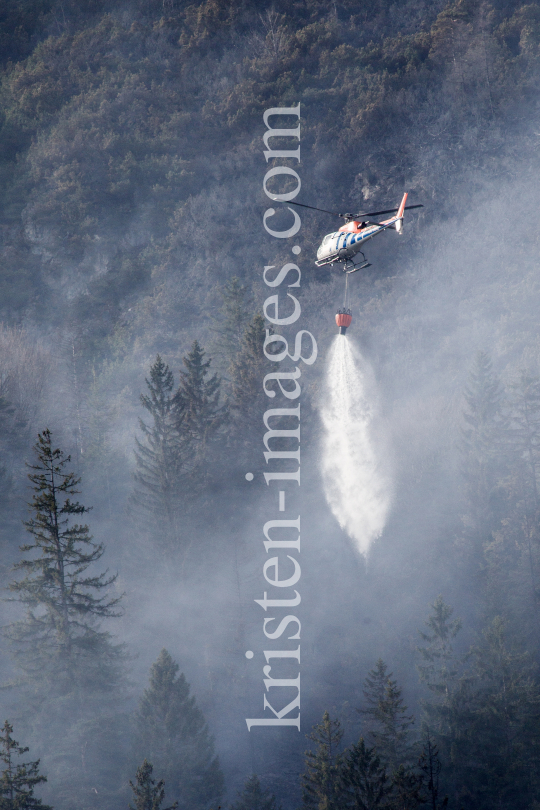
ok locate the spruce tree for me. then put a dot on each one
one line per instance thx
(525, 435)
(18, 779)
(365, 783)
(484, 436)
(172, 734)
(148, 795)
(199, 416)
(59, 640)
(437, 665)
(407, 789)
(248, 399)
(253, 797)
(439, 669)
(516, 557)
(236, 311)
(431, 767)
(322, 786)
(493, 722)
(386, 717)
(6, 414)
(160, 473)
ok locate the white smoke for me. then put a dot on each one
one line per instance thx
(355, 465)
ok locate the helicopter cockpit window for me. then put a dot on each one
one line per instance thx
(327, 238)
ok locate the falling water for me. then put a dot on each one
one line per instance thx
(354, 462)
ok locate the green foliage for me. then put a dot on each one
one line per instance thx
(321, 782)
(18, 780)
(172, 734)
(482, 715)
(483, 442)
(58, 642)
(160, 472)
(525, 436)
(438, 665)
(430, 765)
(407, 789)
(253, 797)
(387, 718)
(128, 138)
(236, 311)
(148, 795)
(248, 400)
(6, 413)
(494, 717)
(200, 417)
(104, 122)
(364, 779)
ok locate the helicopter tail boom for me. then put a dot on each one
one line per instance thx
(399, 216)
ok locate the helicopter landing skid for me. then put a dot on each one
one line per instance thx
(355, 267)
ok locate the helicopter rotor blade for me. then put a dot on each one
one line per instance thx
(388, 211)
(351, 216)
(303, 205)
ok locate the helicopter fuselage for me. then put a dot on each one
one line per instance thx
(342, 245)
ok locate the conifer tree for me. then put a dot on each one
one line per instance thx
(160, 471)
(236, 310)
(199, 416)
(438, 665)
(387, 718)
(6, 413)
(516, 557)
(322, 786)
(18, 780)
(172, 734)
(365, 784)
(484, 436)
(253, 797)
(494, 725)
(407, 789)
(431, 766)
(525, 434)
(199, 412)
(439, 670)
(59, 640)
(148, 795)
(248, 400)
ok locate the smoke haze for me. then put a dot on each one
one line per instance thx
(131, 197)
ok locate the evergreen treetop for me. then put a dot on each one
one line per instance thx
(173, 735)
(59, 637)
(431, 766)
(365, 783)
(438, 665)
(199, 413)
(236, 309)
(253, 797)
(524, 432)
(18, 780)
(247, 372)
(387, 718)
(484, 437)
(321, 782)
(160, 457)
(147, 794)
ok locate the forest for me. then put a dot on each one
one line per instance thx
(131, 404)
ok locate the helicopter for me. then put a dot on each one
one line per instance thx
(346, 243)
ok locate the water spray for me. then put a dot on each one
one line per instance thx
(355, 465)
